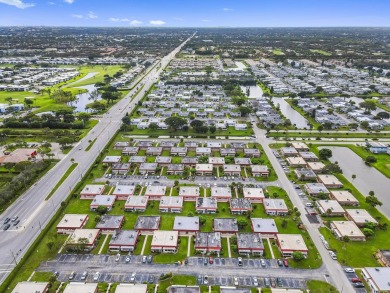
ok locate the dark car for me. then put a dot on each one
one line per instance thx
(150, 258)
(16, 222)
(205, 261)
(280, 263)
(151, 280)
(358, 285)
(6, 220)
(279, 281)
(6, 227)
(273, 282)
(186, 261)
(267, 283)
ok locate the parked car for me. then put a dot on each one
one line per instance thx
(72, 275)
(127, 259)
(150, 258)
(144, 259)
(358, 285)
(309, 204)
(356, 280)
(205, 261)
(132, 278)
(263, 264)
(211, 260)
(84, 275)
(349, 270)
(151, 279)
(240, 261)
(267, 282)
(255, 282)
(205, 280)
(280, 263)
(118, 257)
(279, 282)
(96, 276)
(285, 263)
(273, 282)
(235, 281)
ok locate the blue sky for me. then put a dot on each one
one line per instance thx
(196, 13)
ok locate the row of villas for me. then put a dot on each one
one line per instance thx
(167, 241)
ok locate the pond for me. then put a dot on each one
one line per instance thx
(83, 99)
(367, 178)
(296, 119)
(254, 91)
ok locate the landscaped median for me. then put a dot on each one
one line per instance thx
(63, 178)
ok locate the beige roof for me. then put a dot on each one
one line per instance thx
(131, 288)
(89, 234)
(296, 161)
(93, 189)
(165, 238)
(188, 190)
(347, 228)
(216, 160)
(329, 179)
(80, 288)
(204, 167)
(30, 287)
(72, 221)
(332, 205)
(155, 190)
(253, 192)
(360, 216)
(343, 196)
(293, 242)
(171, 201)
(221, 191)
(299, 145)
(316, 166)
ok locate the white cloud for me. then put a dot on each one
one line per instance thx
(51, 3)
(135, 22)
(157, 22)
(91, 15)
(227, 9)
(69, 1)
(17, 3)
(115, 19)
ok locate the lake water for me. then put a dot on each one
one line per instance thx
(290, 113)
(367, 178)
(254, 91)
(83, 99)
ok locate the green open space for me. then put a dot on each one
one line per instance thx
(99, 76)
(316, 286)
(321, 52)
(277, 52)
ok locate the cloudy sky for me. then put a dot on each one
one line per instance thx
(196, 13)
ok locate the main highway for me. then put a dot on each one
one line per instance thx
(32, 209)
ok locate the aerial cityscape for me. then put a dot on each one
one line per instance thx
(194, 146)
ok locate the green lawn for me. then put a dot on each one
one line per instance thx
(321, 52)
(320, 287)
(99, 77)
(277, 52)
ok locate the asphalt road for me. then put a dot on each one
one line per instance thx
(337, 276)
(32, 209)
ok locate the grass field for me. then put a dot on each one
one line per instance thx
(320, 287)
(277, 52)
(321, 52)
(101, 71)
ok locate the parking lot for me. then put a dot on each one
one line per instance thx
(223, 271)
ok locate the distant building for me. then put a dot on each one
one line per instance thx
(377, 279)
(31, 287)
(165, 241)
(347, 228)
(71, 222)
(289, 243)
(124, 240)
(249, 243)
(208, 242)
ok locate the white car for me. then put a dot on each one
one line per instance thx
(349, 270)
(96, 276)
(118, 257)
(205, 279)
(235, 281)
